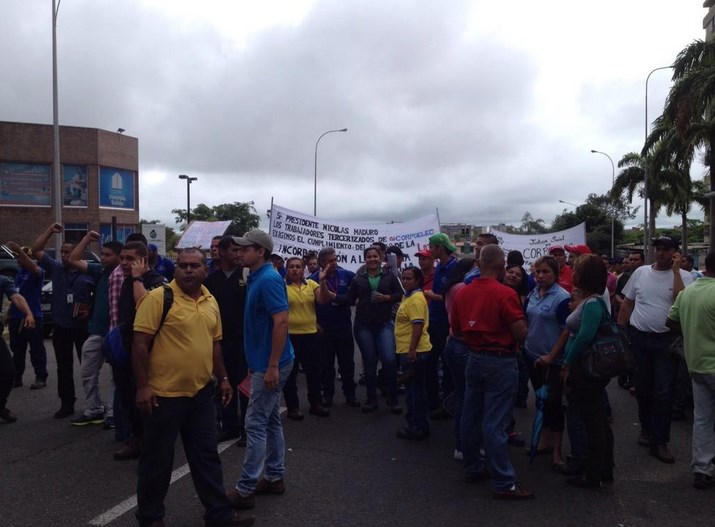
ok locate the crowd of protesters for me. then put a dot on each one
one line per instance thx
(462, 338)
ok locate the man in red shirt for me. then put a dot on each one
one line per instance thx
(565, 272)
(489, 318)
(426, 264)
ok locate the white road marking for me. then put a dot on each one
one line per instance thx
(131, 502)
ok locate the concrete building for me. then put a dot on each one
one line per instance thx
(99, 174)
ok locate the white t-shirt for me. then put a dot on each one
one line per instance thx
(652, 292)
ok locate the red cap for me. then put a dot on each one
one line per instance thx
(579, 249)
(556, 248)
(424, 252)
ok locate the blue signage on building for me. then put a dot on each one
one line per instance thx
(116, 188)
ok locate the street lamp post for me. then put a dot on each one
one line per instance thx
(646, 227)
(315, 170)
(569, 203)
(613, 210)
(189, 180)
(56, 169)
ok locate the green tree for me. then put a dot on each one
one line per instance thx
(690, 106)
(597, 213)
(242, 215)
(528, 225)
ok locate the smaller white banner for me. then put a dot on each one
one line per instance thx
(199, 234)
(534, 246)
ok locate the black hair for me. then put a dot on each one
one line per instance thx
(115, 247)
(226, 242)
(417, 273)
(136, 237)
(136, 246)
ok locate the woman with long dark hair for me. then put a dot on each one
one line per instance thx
(585, 393)
(374, 292)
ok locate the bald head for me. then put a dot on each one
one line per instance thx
(491, 259)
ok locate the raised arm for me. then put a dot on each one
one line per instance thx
(75, 258)
(24, 260)
(38, 248)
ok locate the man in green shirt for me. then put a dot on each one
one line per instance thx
(693, 312)
(92, 358)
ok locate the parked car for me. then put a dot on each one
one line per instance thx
(8, 262)
(48, 322)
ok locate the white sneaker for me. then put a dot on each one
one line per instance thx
(458, 456)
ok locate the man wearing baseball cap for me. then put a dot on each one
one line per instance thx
(565, 272)
(442, 250)
(426, 264)
(164, 266)
(270, 360)
(649, 293)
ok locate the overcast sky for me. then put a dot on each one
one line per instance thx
(481, 109)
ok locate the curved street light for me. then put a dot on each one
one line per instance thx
(315, 169)
(569, 203)
(613, 211)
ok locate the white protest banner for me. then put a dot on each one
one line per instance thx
(295, 233)
(199, 233)
(533, 246)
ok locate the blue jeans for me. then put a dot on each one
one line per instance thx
(416, 392)
(488, 408)
(195, 419)
(438, 334)
(378, 342)
(456, 354)
(265, 444)
(656, 372)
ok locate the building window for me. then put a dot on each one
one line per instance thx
(74, 232)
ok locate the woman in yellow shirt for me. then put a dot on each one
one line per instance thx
(303, 332)
(413, 346)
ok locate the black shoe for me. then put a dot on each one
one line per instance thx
(295, 414)
(439, 414)
(352, 402)
(233, 521)
(319, 410)
(64, 411)
(83, 420)
(394, 408)
(7, 416)
(571, 470)
(702, 481)
(416, 435)
(584, 483)
(369, 406)
(109, 423)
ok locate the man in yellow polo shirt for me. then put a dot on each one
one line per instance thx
(174, 364)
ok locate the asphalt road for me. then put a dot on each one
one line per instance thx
(345, 470)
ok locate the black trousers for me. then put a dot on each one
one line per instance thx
(7, 371)
(63, 339)
(307, 354)
(340, 345)
(234, 359)
(585, 396)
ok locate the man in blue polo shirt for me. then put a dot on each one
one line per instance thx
(270, 361)
(442, 250)
(29, 282)
(72, 293)
(336, 337)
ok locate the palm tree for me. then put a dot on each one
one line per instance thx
(690, 106)
(630, 181)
